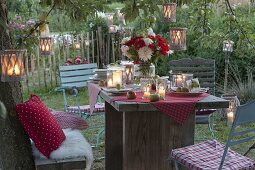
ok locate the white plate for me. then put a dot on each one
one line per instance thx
(114, 90)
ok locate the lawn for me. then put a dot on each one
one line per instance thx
(54, 100)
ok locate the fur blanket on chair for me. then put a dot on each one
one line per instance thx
(75, 145)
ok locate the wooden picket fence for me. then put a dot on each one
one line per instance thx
(42, 71)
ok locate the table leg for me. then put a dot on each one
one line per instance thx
(113, 138)
(150, 136)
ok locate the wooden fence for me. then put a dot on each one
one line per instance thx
(42, 71)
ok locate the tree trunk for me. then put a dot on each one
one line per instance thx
(15, 147)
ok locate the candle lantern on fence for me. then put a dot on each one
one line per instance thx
(109, 18)
(77, 44)
(45, 46)
(114, 76)
(228, 46)
(169, 12)
(12, 65)
(178, 39)
(113, 29)
(129, 72)
(86, 43)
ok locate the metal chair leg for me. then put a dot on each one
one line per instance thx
(98, 136)
(176, 165)
(211, 124)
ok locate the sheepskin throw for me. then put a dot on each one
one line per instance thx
(74, 146)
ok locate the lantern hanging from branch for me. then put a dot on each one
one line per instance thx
(12, 65)
(45, 46)
(178, 39)
(169, 12)
(228, 46)
(121, 17)
(86, 42)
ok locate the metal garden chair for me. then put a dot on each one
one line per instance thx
(204, 70)
(212, 154)
(72, 78)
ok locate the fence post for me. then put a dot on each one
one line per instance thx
(87, 48)
(93, 48)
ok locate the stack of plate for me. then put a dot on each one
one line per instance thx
(100, 74)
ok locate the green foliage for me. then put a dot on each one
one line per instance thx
(94, 22)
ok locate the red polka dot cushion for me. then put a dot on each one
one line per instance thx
(40, 125)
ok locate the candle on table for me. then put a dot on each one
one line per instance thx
(110, 82)
(179, 80)
(117, 77)
(146, 93)
(162, 91)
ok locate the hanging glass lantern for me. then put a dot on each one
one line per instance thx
(109, 18)
(86, 43)
(178, 39)
(228, 46)
(77, 44)
(46, 46)
(12, 65)
(121, 17)
(169, 12)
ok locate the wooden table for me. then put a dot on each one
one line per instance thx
(140, 137)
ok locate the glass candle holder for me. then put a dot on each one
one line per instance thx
(161, 89)
(230, 117)
(129, 72)
(177, 80)
(187, 80)
(114, 76)
(145, 87)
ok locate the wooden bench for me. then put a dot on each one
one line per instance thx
(67, 164)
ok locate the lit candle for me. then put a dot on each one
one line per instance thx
(110, 82)
(230, 117)
(162, 91)
(14, 71)
(77, 45)
(117, 77)
(146, 92)
(179, 80)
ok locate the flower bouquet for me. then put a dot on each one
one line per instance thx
(144, 50)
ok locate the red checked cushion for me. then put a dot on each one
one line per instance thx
(207, 155)
(40, 125)
(70, 120)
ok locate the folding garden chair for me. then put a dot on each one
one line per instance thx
(212, 154)
(204, 70)
(72, 78)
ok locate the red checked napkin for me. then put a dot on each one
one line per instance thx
(177, 107)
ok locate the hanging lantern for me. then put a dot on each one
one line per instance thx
(12, 65)
(178, 39)
(228, 46)
(121, 17)
(86, 43)
(77, 45)
(109, 18)
(45, 46)
(169, 12)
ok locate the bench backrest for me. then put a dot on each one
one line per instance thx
(203, 69)
(76, 75)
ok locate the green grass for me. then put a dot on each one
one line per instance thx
(54, 100)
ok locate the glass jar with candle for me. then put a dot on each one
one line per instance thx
(177, 79)
(128, 72)
(187, 78)
(145, 87)
(114, 76)
(161, 88)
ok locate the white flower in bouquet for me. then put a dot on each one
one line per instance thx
(124, 49)
(125, 40)
(145, 53)
(150, 32)
(147, 41)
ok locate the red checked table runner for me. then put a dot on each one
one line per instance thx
(177, 107)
